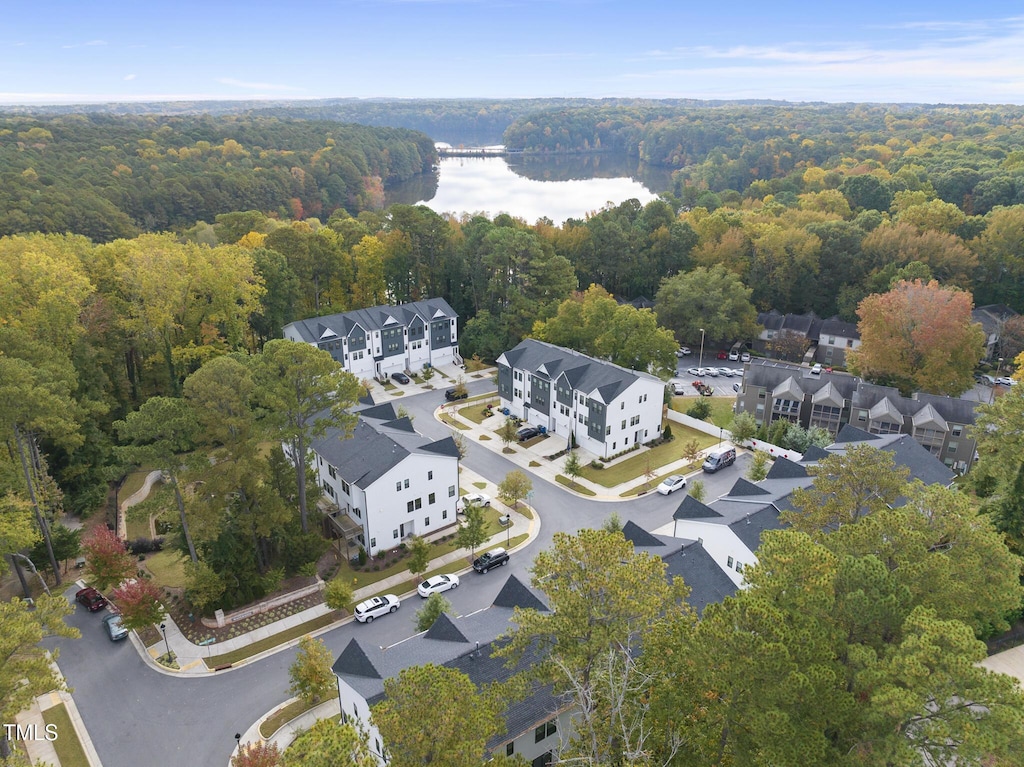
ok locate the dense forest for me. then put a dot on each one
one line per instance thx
(110, 177)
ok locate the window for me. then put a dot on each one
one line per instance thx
(444, 513)
(622, 406)
(426, 521)
(419, 503)
(430, 475)
(332, 472)
(634, 420)
(451, 491)
(395, 534)
(357, 511)
(739, 567)
(607, 430)
(623, 424)
(431, 498)
(373, 544)
(956, 431)
(832, 340)
(545, 730)
(728, 562)
(409, 507)
(328, 488)
(952, 447)
(345, 488)
(405, 484)
(398, 486)
(510, 748)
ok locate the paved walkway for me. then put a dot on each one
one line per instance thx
(40, 750)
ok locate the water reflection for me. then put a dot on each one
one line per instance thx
(531, 187)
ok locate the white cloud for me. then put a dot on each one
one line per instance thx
(129, 77)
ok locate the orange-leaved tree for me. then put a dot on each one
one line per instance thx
(918, 337)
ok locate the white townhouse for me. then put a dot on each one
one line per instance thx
(729, 528)
(535, 727)
(386, 482)
(608, 408)
(381, 340)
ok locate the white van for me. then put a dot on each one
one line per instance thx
(719, 458)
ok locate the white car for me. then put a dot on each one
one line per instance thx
(683, 351)
(376, 607)
(745, 357)
(816, 369)
(727, 372)
(678, 388)
(1006, 381)
(734, 356)
(671, 484)
(695, 371)
(437, 584)
(477, 499)
(713, 372)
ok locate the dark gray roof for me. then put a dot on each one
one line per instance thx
(768, 374)
(804, 324)
(584, 373)
(952, 409)
(373, 318)
(852, 434)
(638, 536)
(353, 662)
(783, 468)
(515, 594)
(690, 561)
(815, 453)
(376, 446)
(445, 630)
(749, 528)
(991, 315)
(834, 326)
(907, 452)
(744, 487)
(691, 508)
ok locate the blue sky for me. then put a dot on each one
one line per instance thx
(102, 50)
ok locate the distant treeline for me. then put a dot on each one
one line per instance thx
(108, 177)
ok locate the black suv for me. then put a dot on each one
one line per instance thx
(451, 395)
(492, 558)
(527, 432)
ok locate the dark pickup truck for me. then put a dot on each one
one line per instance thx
(451, 395)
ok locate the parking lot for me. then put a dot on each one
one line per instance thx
(721, 382)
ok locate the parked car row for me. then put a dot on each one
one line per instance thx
(94, 601)
(714, 372)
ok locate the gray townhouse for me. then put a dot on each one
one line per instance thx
(380, 340)
(942, 425)
(828, 340)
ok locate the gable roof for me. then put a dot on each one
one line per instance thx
(691, 508)
(582, 373)
(783, 468)
(444, 630)
(515, 594)
(353, 661)
(638, 536)
(744, 487)
(749, 529)
(691, 561)
(370, 319)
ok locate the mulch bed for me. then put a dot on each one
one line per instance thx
(196, 632)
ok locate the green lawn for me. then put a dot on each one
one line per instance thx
(133, 483)
(67, 745)
(167, 567)
(654, 458)
(284, 715)
(453, 423)
(563, 480)
(721, 409)
(475, 412)
(655, 481)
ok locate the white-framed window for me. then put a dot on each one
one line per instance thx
(373, 544)
(451, 491)
(430, 475)
(426, 521)
(405, 484)
(398, 486)
(728, 562)
(431, 498)
(394, 533)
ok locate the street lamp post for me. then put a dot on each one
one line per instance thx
(163, 628)
(700, 362)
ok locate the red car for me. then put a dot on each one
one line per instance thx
(91, 598)
(723, 355)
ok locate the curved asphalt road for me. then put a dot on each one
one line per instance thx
(135, 714)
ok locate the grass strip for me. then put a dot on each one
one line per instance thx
(284, 715)
(445, 418)
(563, 480)
(270, 642)
(70, 752)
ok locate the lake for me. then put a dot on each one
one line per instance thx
(531, 187)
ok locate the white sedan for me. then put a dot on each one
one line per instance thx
(476, 499)
(376, 607)
(437, 584)
(671, 484)
(695, 371)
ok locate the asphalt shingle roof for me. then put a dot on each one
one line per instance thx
(372, 318)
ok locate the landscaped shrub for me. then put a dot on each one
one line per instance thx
(145, 545)
(700, 409)
(596, 465)
(362, 556)
(667, 433)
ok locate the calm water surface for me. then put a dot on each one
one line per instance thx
(531, 188)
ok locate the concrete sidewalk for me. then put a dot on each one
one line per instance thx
(192, 658)
(534, 459)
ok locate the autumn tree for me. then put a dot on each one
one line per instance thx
(461, 718)
(847, 487)
(604, 596)
(108, 559)
(26, 668)
(788, 345)
(514, 487)
(311, 676)
(305, 392)
(507, 432)
(138, 602)
(419, 555)
(918, 337)
(158, 434)
(338, 594)
(259, 754)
